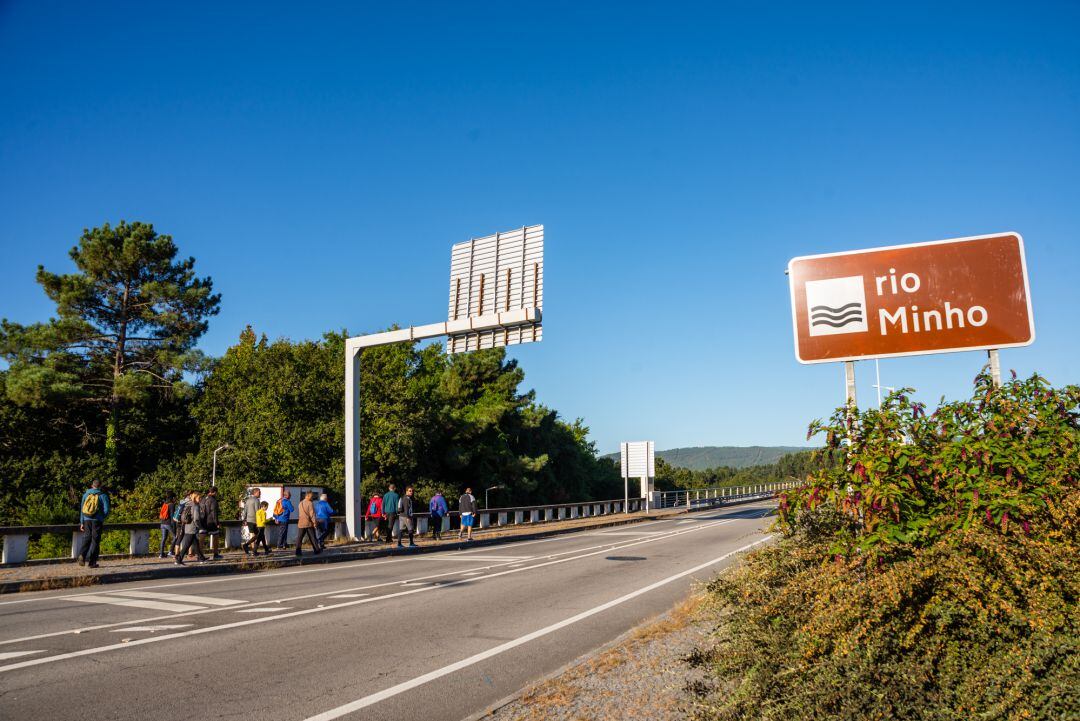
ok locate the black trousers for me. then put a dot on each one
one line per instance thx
(91, 543)
(260, 537)
(308, 532)
(390, 518)
(283, 539)
(191, 540)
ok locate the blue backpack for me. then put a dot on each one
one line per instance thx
(178, 511)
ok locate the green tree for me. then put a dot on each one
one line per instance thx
(124, 334)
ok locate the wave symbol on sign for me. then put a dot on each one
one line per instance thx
(836, 317)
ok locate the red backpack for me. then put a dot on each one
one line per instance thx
(164, 513)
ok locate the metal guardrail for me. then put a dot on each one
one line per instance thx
(17, 538)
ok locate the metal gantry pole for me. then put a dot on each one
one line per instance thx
(849, 383)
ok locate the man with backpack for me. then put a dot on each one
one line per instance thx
(283, 510)
(93, 511)
(437, 510)
(192, 521)
(467, 507)
(374, 513)
(177, 514)
(408, 521)
(390, 509)
(168, 526)
(249, 515)
(209, 509)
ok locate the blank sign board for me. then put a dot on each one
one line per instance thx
(497, 275)
(638, 459)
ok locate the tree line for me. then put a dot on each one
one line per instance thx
(114, 388)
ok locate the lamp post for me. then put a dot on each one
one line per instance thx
(488, 490)
(213, 472)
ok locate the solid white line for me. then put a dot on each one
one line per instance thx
(484, 655)
(345, 604)
(350, 595)
(156, 605)
(16, 654)
(263, 609)
(151, 629)
(614, 545)
(364, 563)
(206, 601)
(469, 557)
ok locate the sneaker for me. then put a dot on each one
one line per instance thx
(178, 562)
(162, 555)
(217, 556)
(413, 545)
(82, 561)
(91, 565)
(400, 546)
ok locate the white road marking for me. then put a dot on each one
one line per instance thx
(471, 557)
(134, 603)
(321, 569)
(204, 600)
(346, 604)
(264, 609)
(152, 629)
(17, 654)
(350, 595)
(484, 655)
(628, 533)
(472, 573)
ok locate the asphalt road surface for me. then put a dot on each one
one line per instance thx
(435, 636)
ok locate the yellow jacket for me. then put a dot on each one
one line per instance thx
(260, 518)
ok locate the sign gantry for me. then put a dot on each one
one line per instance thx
(496, 299)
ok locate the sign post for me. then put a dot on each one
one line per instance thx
(638, 460)
(937, 297)
(496, 299)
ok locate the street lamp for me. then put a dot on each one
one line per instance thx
(877, 370)
(488, 490)
(213, 472)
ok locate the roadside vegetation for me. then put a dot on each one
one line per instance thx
(930, 569)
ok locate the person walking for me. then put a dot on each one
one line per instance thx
(249, 514)
(209, 508)
(374, 513)
(437, 510)
(167, 526)
(178, 524)
(260, 530)
(408, 520)
(305, 524)
(323, 514)
(390, 510)
(283, 511)
(467, 508)
(93, 510)
(193, 525)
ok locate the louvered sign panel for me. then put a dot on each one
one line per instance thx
(494, 276)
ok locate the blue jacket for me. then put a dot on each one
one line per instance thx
(438, 506)
(102, 509)
(286, 511)
(323, 511)
(389, 502)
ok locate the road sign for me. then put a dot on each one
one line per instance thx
(946, 295)
(638, 459)
(498, 275)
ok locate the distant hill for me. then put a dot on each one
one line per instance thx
(703, 457)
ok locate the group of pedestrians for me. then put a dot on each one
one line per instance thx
(186, 522)
(384, 511)
(313, 521)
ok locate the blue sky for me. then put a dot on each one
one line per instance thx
(319, 162)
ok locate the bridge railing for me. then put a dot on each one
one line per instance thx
(17, 538)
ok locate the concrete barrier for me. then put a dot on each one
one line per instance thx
(16, 548)
(139, 542)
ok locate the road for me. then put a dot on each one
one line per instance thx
(442, 635)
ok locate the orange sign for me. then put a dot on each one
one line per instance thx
(947, 295)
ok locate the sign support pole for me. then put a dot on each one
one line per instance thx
(849, 383)
(995, 366)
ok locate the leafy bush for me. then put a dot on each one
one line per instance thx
(932, 574)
